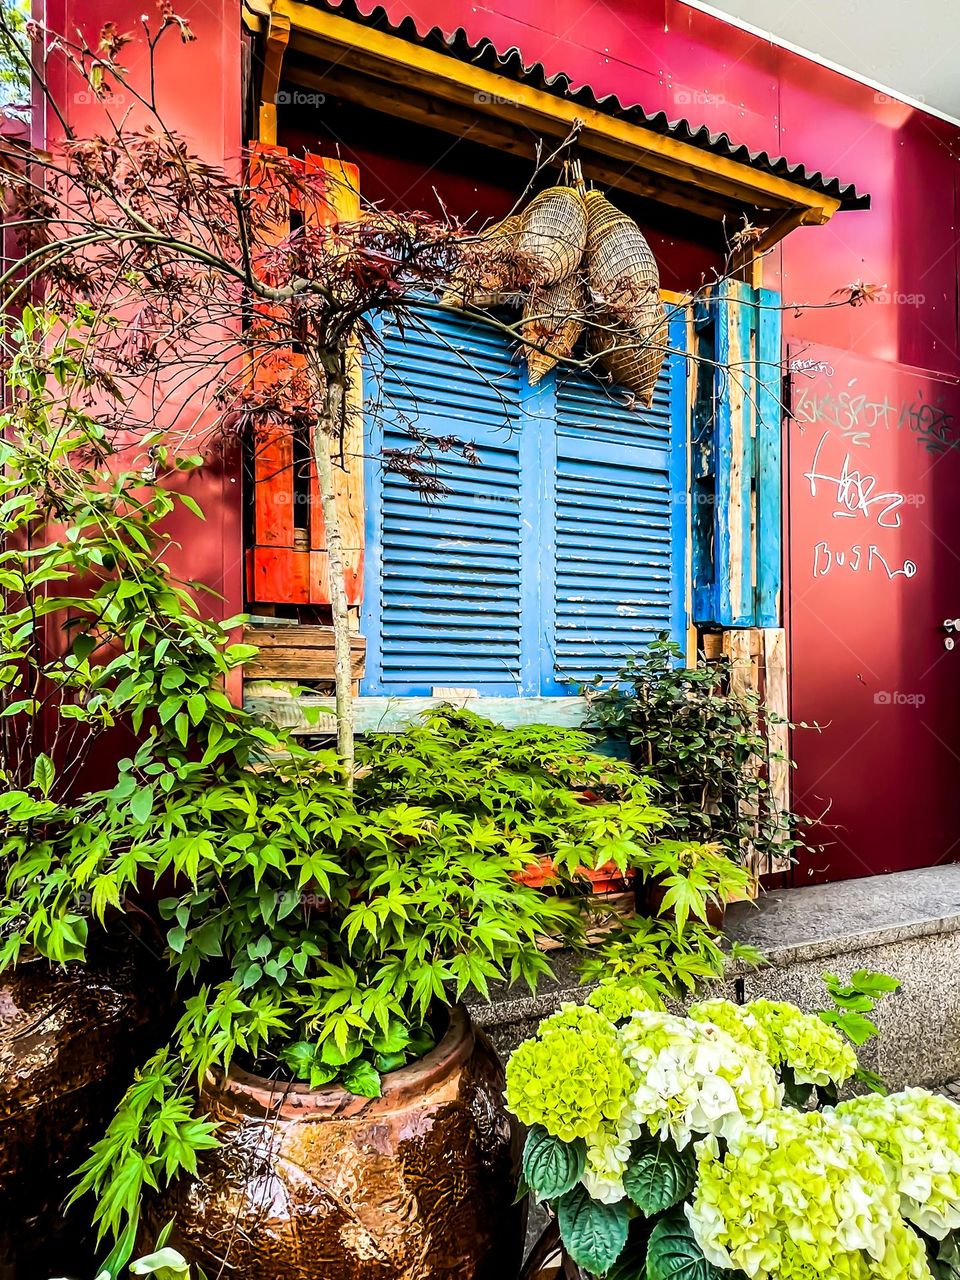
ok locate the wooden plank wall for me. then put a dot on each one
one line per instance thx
(298, 653)
(758, 665)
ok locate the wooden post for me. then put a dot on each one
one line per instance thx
(758, 665)
(778, 734)
(740, 647)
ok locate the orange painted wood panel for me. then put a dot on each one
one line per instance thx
(287, 563)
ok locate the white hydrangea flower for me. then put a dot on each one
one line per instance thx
(607, 1158)
(694, 1079)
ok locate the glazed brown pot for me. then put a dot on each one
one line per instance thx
(317, 1184)
(69, 1041)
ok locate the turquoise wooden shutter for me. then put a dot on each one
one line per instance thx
(444, 578)
(736, 472)
(617, 567)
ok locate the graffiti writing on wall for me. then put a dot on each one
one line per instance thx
(855, 492)
(855, 559)
(857, 417)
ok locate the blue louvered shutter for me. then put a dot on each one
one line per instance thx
(619, 544)
(558, 555)
(444, 582)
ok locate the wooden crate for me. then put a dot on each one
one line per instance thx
(298, 653)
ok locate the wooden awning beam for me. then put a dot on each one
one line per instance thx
(277, 39)
(500, 134)
(409, 81)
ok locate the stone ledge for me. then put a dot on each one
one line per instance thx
(902, 924)
(817, 921)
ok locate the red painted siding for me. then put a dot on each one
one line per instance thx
(199, 96)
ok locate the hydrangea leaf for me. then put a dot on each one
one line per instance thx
(551, 1167)
(593, 1234)
(673, 1252)
(658, 1176)
(632, 1263)
(946, 1264)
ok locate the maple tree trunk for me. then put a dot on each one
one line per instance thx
(339, 608)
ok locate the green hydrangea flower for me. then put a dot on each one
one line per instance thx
(618, 999)
(736, 1020)
(905, 1257)
(815, 1053)
(692, 1078)
(571, 1077)
(799, 1195)
(917, 1134)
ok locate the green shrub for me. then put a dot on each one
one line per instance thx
(704, 748)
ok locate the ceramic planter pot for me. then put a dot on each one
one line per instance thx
(603, 880)
(69, 1041)
(317, 1184)
(603, 906)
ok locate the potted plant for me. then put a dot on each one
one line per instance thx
(668, 1146)
(323, 936)
(703, 747)
(322, 926)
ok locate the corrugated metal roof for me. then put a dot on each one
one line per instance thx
(510, 64)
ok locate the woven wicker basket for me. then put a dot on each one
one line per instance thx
(621, 270)
(554, 234)
(491, 268)
(633, 355)
(553, 320)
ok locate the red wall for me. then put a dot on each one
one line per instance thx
(199, 97)
(669, 57)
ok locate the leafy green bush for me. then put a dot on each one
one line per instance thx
(96, 632)
(315, 924)
(703, 747)
(679, 1147)
(546, 785)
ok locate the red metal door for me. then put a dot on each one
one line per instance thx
(874, 570)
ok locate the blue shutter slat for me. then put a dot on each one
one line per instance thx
(737, 459)
(618, 556)
(443, 581)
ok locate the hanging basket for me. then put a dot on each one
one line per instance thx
(491, 268)
(633, 355)
(621, 270)
(552, 323)
(554, 234)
